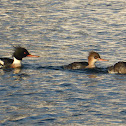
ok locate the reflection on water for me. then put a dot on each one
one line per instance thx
(17, 70)
(61, 32)
(92, 76)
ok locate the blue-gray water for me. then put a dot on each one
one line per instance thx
(61, 32)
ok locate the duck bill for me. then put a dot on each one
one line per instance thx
(102, 59)
(32, 55)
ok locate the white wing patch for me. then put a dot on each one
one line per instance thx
(1, 63)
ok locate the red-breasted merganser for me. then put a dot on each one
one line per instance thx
(18, 54)
(119, 67)
(92, 58)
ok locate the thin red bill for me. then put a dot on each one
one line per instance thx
(102, 59)
(32, 55)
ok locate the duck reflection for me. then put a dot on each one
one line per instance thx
(92, 76)
(17, 70)
(8, 70)
(15, 73)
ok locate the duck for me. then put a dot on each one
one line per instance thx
(15, 61)
(92, 58)
(119, 67)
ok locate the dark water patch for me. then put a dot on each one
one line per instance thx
(49, 119)
(45, 121)
(65, 85)
(86, 71)
(97, 70)
(78, 114)
(76, 99)
(50, 67)
(59, 91)
(113, 93)
(91, 71)
(123, 112)
(44, 118)
(7, 69)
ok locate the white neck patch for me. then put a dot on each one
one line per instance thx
(17, 62)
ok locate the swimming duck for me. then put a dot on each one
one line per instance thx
(92, 58)
(18, 55)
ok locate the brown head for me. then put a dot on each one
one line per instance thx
(94, 57)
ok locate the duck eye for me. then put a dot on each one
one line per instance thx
(95, 57)
(24, 52)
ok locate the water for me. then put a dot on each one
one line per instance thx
(61, 32)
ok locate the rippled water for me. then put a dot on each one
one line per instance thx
(61, 32)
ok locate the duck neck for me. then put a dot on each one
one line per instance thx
(16, 63)
(91, 63)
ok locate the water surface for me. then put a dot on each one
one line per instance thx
(61, 32)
